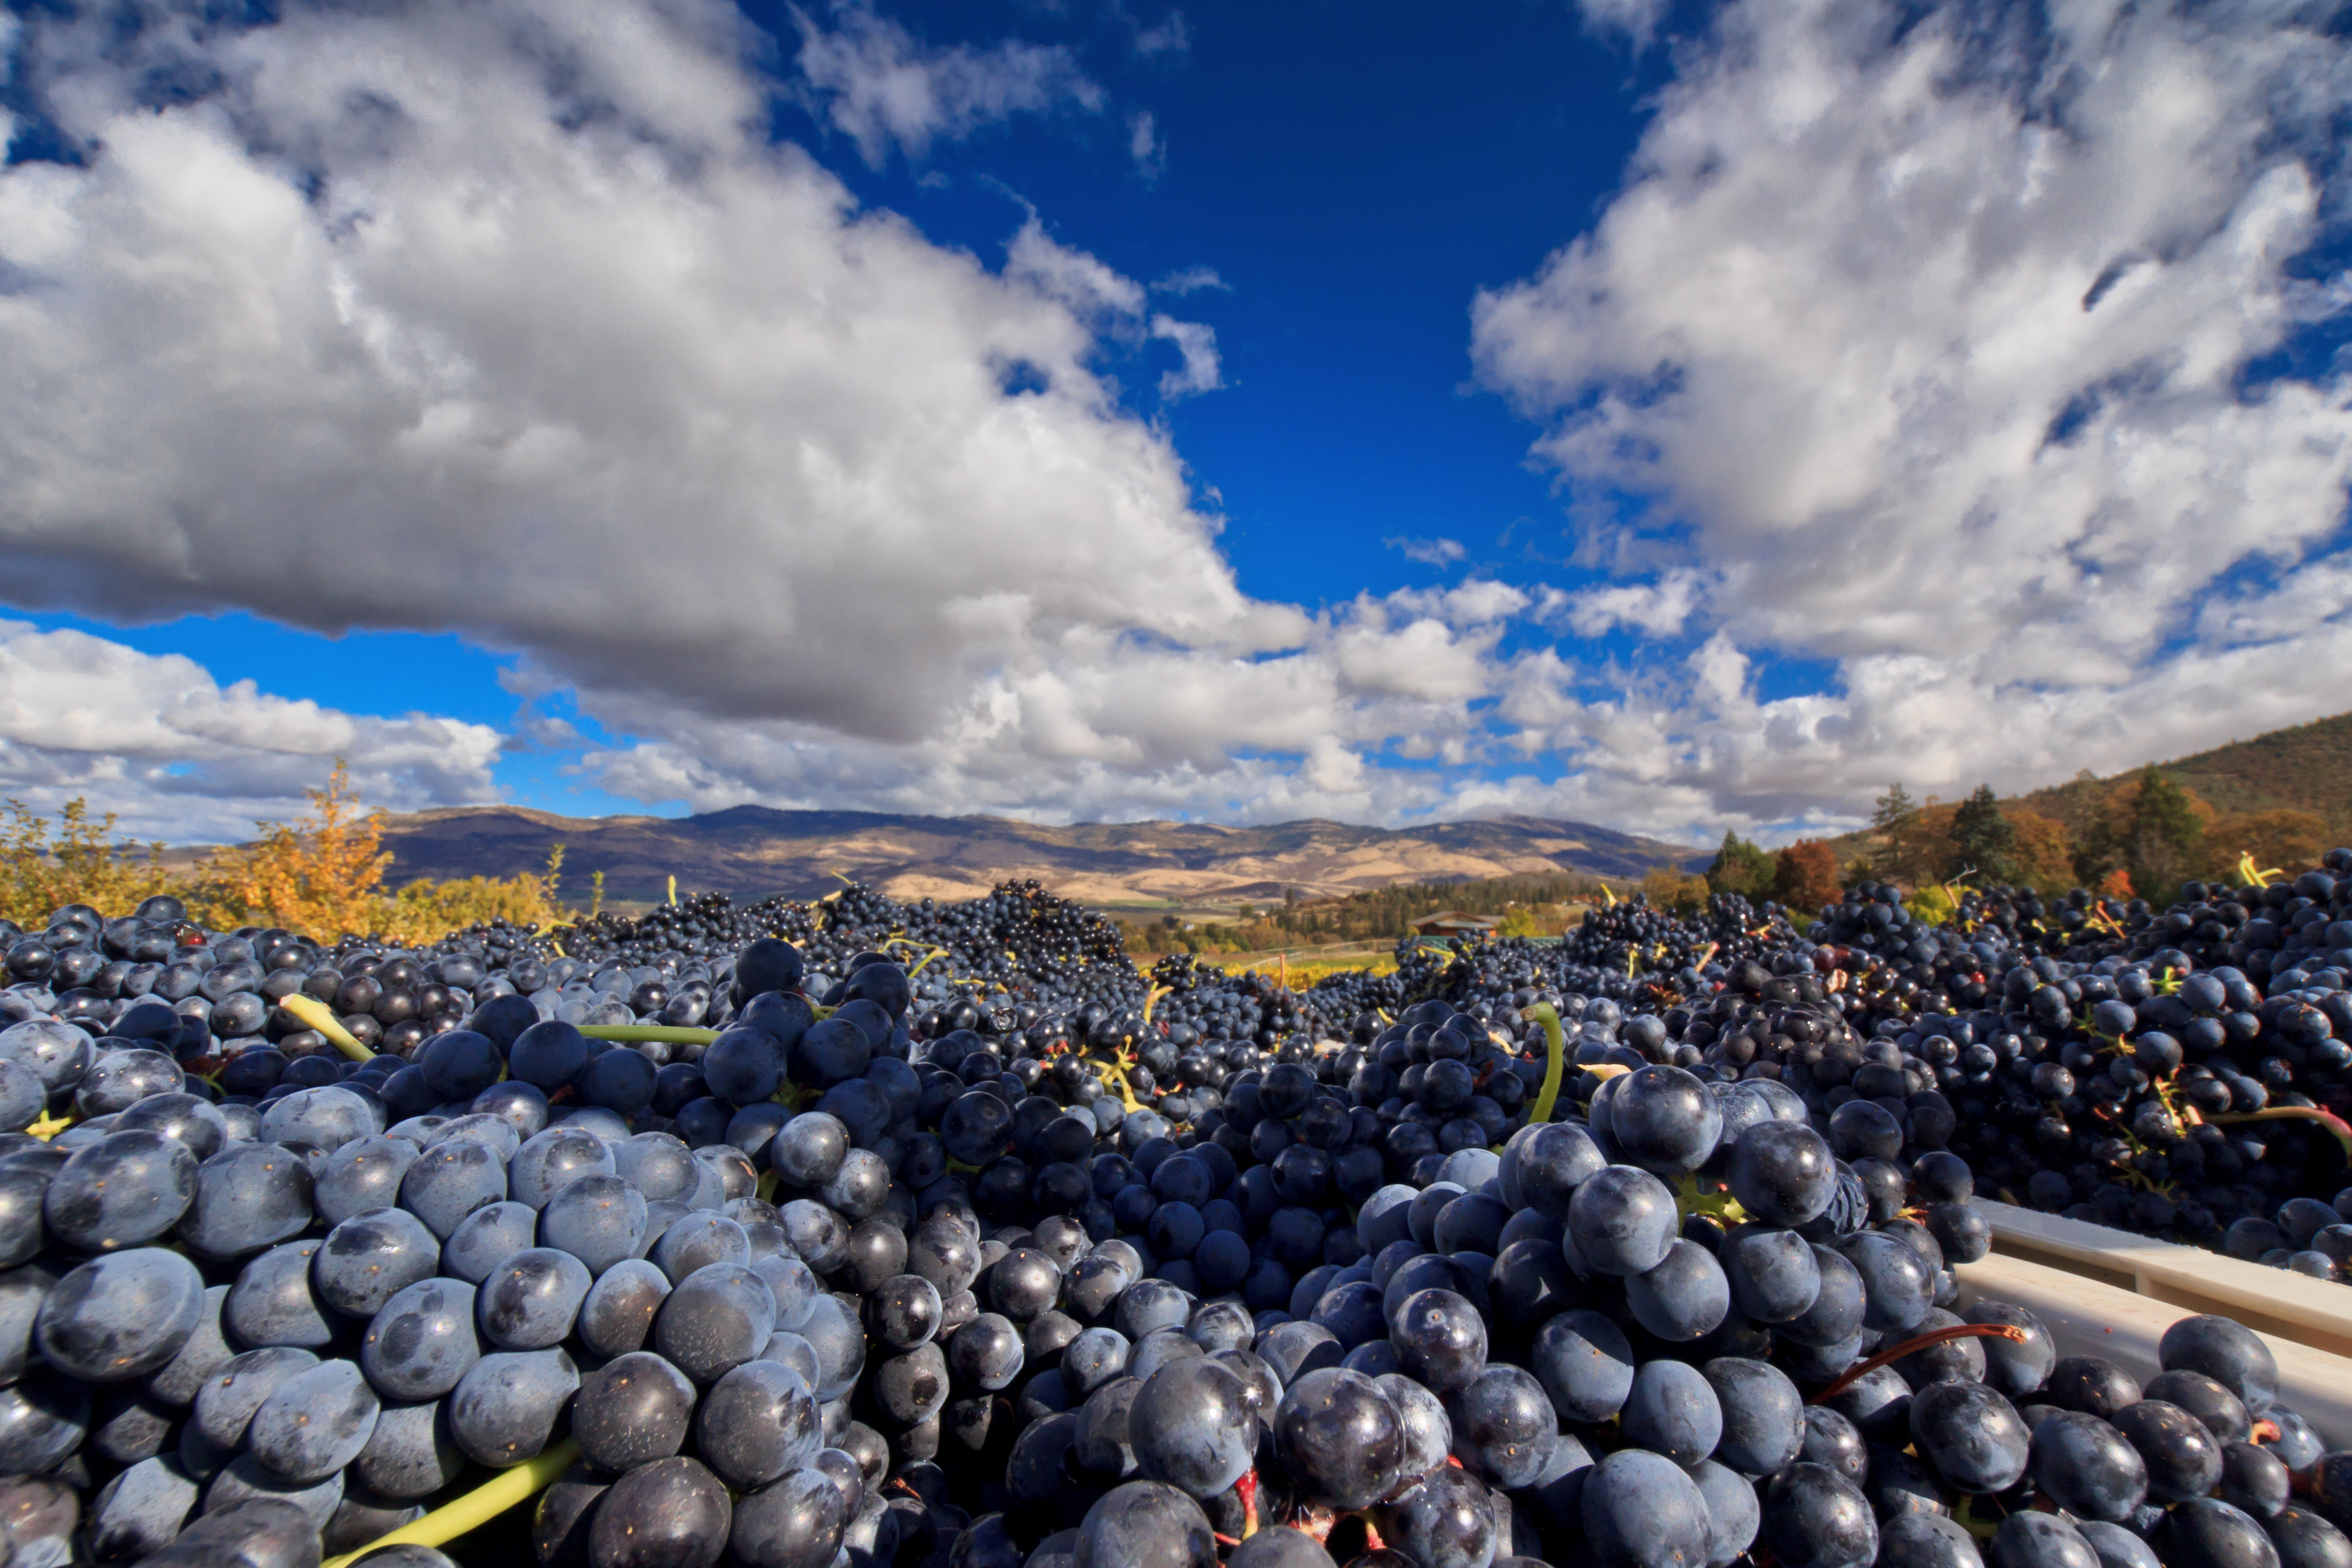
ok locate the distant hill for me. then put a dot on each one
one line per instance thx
(752, 852)
(2307, 769)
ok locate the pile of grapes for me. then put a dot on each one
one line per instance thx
(860, 1234)
(2184, 1073)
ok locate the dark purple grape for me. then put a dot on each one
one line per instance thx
(124, 1190)
(671, 1514)
(1971, 1436)
(2253, 1478)
(139, 1511)
(272, 1302)
(505, 1408)
(1665, 1120)
(622, 1306)
(255, 1532)
(1640, 1510)
(1672, 1410)
(2116, 1547)
(43, 1419)
(2205, 1533)
(1782, 1173)
(411, 1453)
(451, 1180)
(314, 1423)
(1145, 1524)
(2087, 1467)
(1623, 1221)
(1503, 1426)
(1763, 1415)
(1684, 1297)
(631, 1411)
(364, 1174)
(120, 1317)
(756, 1424)
(987, 1353)
(248, 1197)
(1898, 1286)
(548, 1055)
(531, 1301)
(369, 1258)
(1585, 1364)
(1838, 1306)
(1278, 1546)
(2230, 1354)
(549, 1161)
(485, 1238)
(1772, 1275)
(1925, 1540)
(599, 1219)
(797, 1522)
(1439, 1338)
(1814, 1515)
(698, 1240)
(2182, 1457)
(1447, 1521)
(1190, 1425)
(2303, 1539)
(1734, 1513)
(2092, 1384)
(1340, 1439)
(2221, 1411)
(2015, 1368)
(714, 1322)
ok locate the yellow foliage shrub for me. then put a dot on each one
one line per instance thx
(321, 877)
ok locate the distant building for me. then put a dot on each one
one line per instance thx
(1454, 922)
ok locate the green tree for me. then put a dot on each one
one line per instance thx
(2160, 835)
(1893, 816)
(1983, 840)
(1742, 868)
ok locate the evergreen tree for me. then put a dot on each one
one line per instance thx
(1742, 868)
(2161, 836)
(1983, 840)
(1895, 815)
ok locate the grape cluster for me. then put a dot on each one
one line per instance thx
(2184, 1073)
(854, 1233)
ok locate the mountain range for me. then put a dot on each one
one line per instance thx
(752, 852)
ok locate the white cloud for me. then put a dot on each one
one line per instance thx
(1926, 350)
(1144, 145)
(178, 756)
(1636, 20)
(1657, 608)
(883, 88)
(1171, 36)
(399, 326)
(1428, 553)
(1191, 280)
(1198, 344)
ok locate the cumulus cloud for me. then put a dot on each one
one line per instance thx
(178, 756)
(1201, 371)
(1635, 20)
(1145, 146)
(883, 88)
(507, 318)
(1926, 344)
(1428, 553)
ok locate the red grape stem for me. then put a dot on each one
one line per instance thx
(2334, 1124)
(1911, 1346)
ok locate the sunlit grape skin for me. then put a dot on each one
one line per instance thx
(1192, 1265)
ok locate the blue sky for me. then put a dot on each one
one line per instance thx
(1654, 416)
